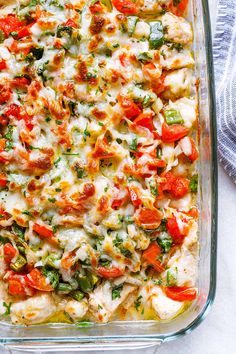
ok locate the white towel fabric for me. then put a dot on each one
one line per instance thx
(224, 54)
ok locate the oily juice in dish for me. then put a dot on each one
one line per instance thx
(98, 178)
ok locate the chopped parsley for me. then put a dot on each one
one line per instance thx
(193, 185)
(138, 302)
(8, 308)
(86, 133)
(134, 145)
(116, 290)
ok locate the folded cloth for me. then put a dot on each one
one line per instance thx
(224, 54)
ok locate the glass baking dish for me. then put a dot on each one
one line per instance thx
(124, 335)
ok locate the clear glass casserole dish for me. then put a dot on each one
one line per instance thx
(121, 335)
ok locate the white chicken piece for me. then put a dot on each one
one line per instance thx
(76, 309)
(165, 307)
(187, 107)
(183, 267)
(178, 83)
(142, 29)
(101, 304)
(172, 59)
(33, 310)
(152, 7)
(178, 30)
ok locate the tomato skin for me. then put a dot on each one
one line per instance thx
(43, 231)
(127, 7)
(130, 108)
(181, 293)
(148, 218)
(88, 191)
(9, 252)
(3, 180)
(18, 112)
(24, 32)
(150, 255)
(36, 280)
(180, 187)
(5, 94)
(145, 120)
(71, 23)
(194, 154)
(160, 86)
(174, 231)
(13, 110)
(109, 272)
(16, 287)
(134, 196)
(179, 9)
(96, 7)
(3, 64)
(102, 149)
(173, 133)
(20, 82)
(9, 24)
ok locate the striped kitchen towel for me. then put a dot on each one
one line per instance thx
(224, 54)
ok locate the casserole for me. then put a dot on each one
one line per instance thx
(147, 331)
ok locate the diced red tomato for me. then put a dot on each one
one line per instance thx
(180, 187)
(10, 23)
(18, 112)
(103, 204)
(119, 201)
(176, 185)
(16, 285)
(102, 149)
(134, 196)
(150, 255)
(145, 120)
(156, 163)
(127, 7)
(173, 133)
(20, 82)
(123, 59)
(180, 8)
(148, 218)
(5, 94)
(3, 64)
(24, 32)
(193, 212)
(71, 23)
(9, 252)
(174, 231)
(3, 214)
(109, 272)
(194, 154)
(130, 108)
(96, 7)
(45, 232)
(13, 110)
(181, 293)
(88, 191)
(38, 281)
(3, 180)
(159, 86)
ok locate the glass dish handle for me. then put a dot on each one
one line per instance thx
(43, 348)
